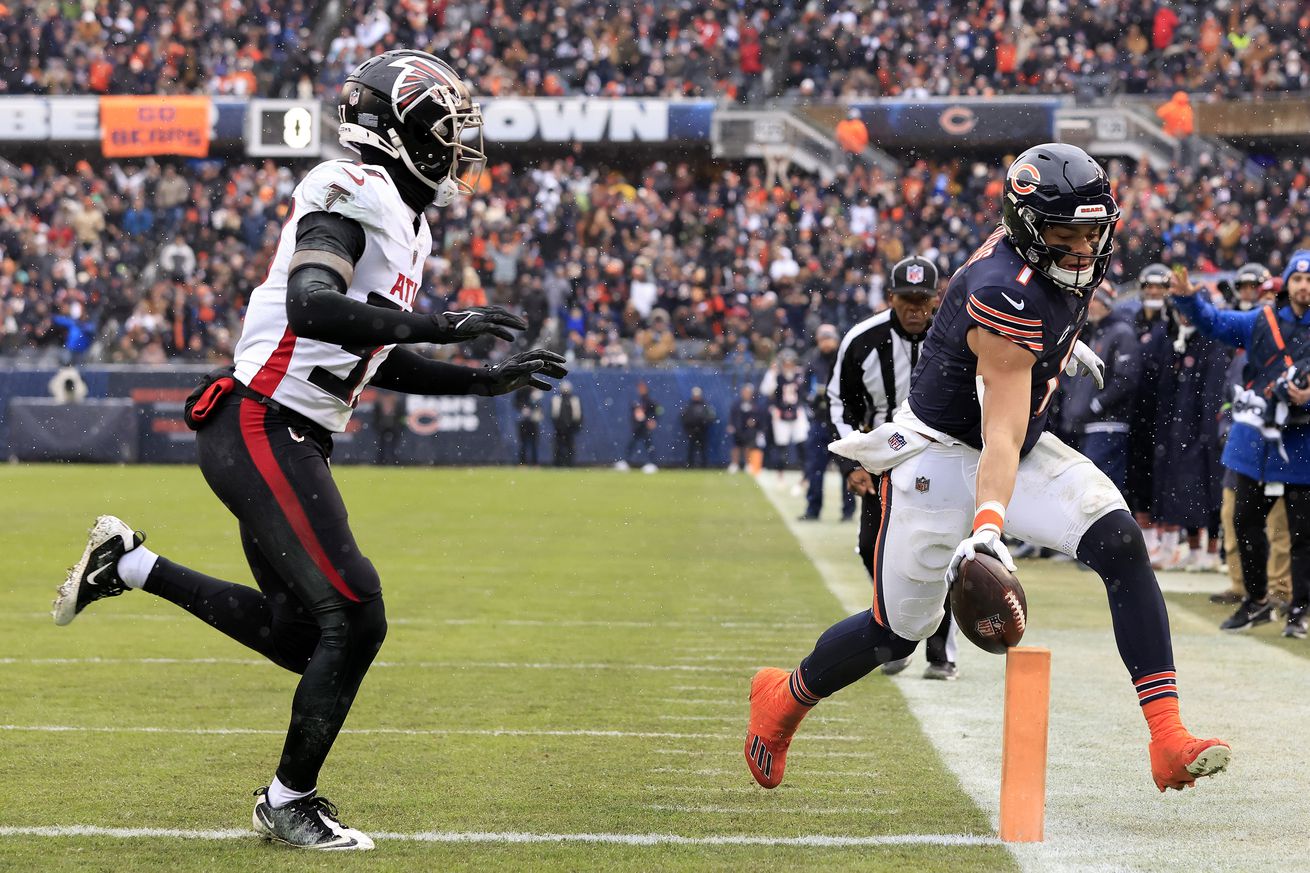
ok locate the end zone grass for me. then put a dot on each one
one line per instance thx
(526, 607)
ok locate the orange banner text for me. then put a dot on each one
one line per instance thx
(132, 127)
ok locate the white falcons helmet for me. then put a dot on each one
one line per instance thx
(414, 107)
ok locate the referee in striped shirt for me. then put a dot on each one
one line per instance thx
(872, 377)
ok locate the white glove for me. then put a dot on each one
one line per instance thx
(1084, 362)
(987, 541)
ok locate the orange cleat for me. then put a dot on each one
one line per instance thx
(1179, 758)
(775, 715)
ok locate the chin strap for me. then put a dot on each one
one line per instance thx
(446, 191)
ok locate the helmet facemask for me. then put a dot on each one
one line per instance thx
(454, 165)
(1089, 268)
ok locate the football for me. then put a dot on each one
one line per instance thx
(989, 605)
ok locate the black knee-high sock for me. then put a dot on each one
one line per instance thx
(240, 612)
(1114, 548)
(351, 637)
(848, 651)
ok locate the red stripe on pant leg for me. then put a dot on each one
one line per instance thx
(275, 368)
(261, 452)
(885, 494)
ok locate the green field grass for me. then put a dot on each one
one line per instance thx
(545, 604)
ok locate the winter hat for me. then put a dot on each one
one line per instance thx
(1298, 263)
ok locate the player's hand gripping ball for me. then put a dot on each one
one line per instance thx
(989, 605)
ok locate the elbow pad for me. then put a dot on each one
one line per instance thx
(302, 286)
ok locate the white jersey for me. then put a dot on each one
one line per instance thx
(320, 380)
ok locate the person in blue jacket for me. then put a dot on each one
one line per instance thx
(1268, 447)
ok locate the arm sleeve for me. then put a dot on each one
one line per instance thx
(408, 372)
(768, 385)
(844, 405)
(1233, 328)
(327, 248)
(846, 400)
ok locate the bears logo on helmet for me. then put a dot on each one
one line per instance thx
(1022, 185)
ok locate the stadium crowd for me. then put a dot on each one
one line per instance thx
(743, 49)
(144, 261)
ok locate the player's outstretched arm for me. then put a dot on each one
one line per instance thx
(1005, 391)
(408, 372)
(1005, 373)
(327, 248)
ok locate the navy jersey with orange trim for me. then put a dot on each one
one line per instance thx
(995, 291)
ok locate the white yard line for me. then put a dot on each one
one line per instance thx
(731, 687)
(813, 753)
(780, 810)
(736, 771)
(409, 732)
(733, 719)
(702, 791)
(110, 614)
(817, 841)
(1103, 811)
(736, 705)
(417, 665)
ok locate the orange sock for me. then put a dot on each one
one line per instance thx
(1162, 717)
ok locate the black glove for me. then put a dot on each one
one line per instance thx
(521, 370)
(476, 321)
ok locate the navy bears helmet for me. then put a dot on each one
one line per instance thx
(1255, 274)
(1057, 183)
(1154, 274)
(413, 107)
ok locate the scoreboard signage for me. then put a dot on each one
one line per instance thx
(583, 120)
(292, 128)
(933, 124)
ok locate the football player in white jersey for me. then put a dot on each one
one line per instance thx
(332, 317)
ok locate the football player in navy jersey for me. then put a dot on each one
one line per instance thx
(967, 456)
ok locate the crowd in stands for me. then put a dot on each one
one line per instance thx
(736, 49)
(116, 47)
(134, 262)
(124, 262)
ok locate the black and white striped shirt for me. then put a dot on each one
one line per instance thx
(872, 374)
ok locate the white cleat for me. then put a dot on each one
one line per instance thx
(891, 668)
(308, 823)
(95, 575)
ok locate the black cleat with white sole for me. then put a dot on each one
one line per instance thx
(96, 575)
(308, 823)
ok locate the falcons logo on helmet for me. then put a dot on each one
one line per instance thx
(418, 78)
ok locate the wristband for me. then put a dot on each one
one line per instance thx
(990, 516)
